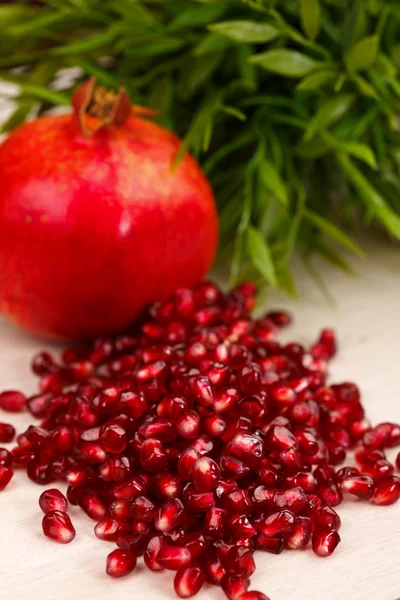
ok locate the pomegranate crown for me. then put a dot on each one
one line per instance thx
(97, 107)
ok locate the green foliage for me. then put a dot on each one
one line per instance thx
(290, 105)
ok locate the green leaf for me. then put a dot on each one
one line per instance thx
(356, 149)
(329, 229)
(196, 16)
(288, 63)
(316, 80)
(260, 255)
(247, 32)
(89, 44)
(372, 199)
(365, 88)
(333, 257)
(211, 43)
(310, 13)
(163, 46)
(363, 54)
(330, 111)
(272, 180)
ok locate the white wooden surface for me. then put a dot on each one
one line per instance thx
(366, 565)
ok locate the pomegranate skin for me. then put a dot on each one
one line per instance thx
(94, 228)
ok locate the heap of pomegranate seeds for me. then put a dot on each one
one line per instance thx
(199, 440)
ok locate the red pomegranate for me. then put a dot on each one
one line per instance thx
(94, 221)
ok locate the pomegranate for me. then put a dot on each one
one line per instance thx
(95, 223)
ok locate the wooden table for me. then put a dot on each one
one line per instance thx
(366, 565)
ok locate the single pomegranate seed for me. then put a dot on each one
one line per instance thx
(188, 581)
(278, 523)
(152, 455)
(325, 541)
(206, 474)
(187, 461)
(167, 485)
(107, 529)
(120, 563)
(173, 557)
(42, 363)
(188, 425)
(326, 518)
(151, 553)
(398, 462)
(12, 401)
(80, 476)
(238, 502)
(113, 438)
(293, 499)
(57, 526)
(7, 433)
(387, 491)
(253, 596)
(280, 438)
(275, 545)
(360, 486)
(330, 494)
(52, 500)
(235, 585)
(247, 448)
(143, 509)
(93, 505)
(6, 475)
(6, 458)
(169, 515)
(299, 536)
(198, 501)
(214, 522)
(239, 559)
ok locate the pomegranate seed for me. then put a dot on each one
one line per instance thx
(330, 494)
(12, 401)
(93, 505)
(325, 541)
(107, 529)
(80, 476)
(293, 499)
(398, 462)
(206, 474)
(169, 515)
(7, 433)
(120, 563)
(188, 581)
(253, 596)
(299, 536)
(238, 502)
(360, 486)
(188, 425)
(235, 585)
(57, 526)
(6, 458)
(152, 455)
(167, 485)
(278, 523)
(53, 499)
(240, 560)
(214, 522)
(151, 553)
(387, 491)
(275, 545)
(187, 461)
(6, 475)
(173, 557)
(326, 518)
(113, 438)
